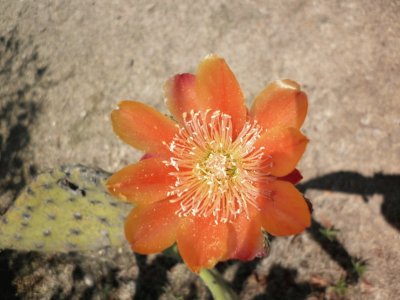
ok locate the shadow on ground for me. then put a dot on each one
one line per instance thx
(354, 183)
(281, 283)
(152, 277)
(23, 84)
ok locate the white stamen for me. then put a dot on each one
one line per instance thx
(216, 173)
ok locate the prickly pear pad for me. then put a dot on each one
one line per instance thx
(65, 209)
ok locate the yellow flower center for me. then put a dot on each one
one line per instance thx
(217, 166)
(215, 175)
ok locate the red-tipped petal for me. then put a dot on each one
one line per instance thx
(201, 242)
(294, 177)
(217, 87)
(281, 103)
(180, 93)
(148, 155)
(284, 211)
(152, 228)
(142, 127)
(285, 146)
(145, 182)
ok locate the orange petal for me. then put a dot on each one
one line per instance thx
(245, 238)
(145, 182)
(201, 242)
(142, 127)
(285, 146)
(281, 103)
(284, 211)
(152, 228)
(180, 95)
(218, 89)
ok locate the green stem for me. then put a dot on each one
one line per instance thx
(219, 288)
(217, 285)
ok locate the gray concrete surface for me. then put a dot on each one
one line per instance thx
(66, 64)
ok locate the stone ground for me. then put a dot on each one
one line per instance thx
(65, 64)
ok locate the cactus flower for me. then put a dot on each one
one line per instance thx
(216, 174)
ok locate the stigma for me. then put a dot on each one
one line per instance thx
(216, 173)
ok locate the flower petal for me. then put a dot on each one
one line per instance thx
(285, 146)
(293, 177)
(218, 89)
(180, 95)
(148, 155)
(201, 242)
(152, 228)
(144, 182)
(284, 211)
(142, 127)
(245, 238)
(281, 103)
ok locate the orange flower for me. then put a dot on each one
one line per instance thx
(217, 174)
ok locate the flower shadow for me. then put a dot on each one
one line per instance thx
(347, 182)
(388, 185)
(152, 277)
(282, 285)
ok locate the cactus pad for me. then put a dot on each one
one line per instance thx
(66, 209)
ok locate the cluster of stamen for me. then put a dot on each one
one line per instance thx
(215, 174)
